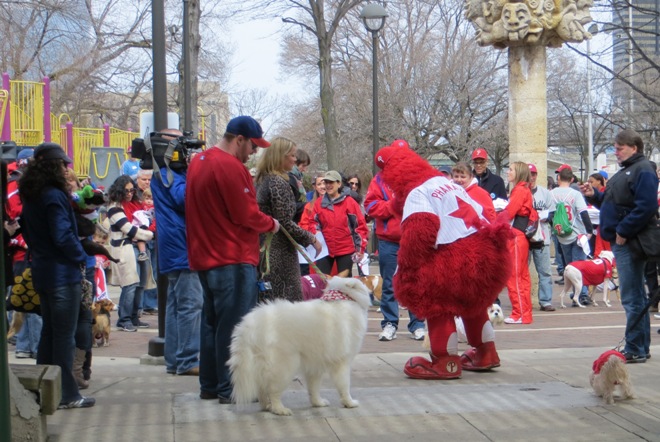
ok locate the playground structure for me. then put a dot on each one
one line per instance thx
(27, 120)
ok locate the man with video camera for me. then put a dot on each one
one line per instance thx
(184, 291)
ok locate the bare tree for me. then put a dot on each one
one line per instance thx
(438, 89)
(635, 72)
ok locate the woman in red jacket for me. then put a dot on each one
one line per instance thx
(521, 210)
(461, 174)
(340, 219)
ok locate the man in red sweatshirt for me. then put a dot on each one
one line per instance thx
(379, 205)
(223, 223)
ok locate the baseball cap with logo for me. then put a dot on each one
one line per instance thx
(332, 175)
(563, 167)
(532, 168)
(247, 127)
(480, 154)
(51, 151)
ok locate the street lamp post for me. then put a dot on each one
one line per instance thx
(593, 29)
(373, 16)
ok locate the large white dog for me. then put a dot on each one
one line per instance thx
(278, 340)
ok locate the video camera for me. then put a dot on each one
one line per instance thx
(166, 151)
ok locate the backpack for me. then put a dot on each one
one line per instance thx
(560, 222)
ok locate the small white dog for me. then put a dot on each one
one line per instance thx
(495, 315)
(590, 271)
(609, 372)
(280, 339)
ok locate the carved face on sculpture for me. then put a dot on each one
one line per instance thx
(516, 17)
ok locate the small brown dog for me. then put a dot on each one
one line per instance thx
(101, 322)
(16, 323)
(609, 372)
(374, 283)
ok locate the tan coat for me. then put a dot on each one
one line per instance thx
(122, 237)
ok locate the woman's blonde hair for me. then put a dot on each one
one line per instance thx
(520, 172)
(271, 161)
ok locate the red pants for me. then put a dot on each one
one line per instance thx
(519, 284)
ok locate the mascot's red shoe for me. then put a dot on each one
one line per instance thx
(439, 367)
(481, 358)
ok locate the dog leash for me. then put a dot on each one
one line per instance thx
(302, 251)
(652, 300)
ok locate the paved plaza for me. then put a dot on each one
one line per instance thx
(540, 392)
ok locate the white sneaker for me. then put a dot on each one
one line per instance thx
(388, 333)
(657, 316)
(418, 335)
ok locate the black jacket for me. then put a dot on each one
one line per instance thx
(629, 201)
(493, 184)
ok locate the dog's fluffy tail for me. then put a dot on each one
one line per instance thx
(243, 364)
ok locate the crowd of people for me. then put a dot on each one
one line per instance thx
(222, 234)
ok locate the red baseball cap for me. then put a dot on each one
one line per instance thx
(562, 167)
(480, 154)
(532, 168)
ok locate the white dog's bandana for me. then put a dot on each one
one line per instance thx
(335, 295)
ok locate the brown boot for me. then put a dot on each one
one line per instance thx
(78, 361)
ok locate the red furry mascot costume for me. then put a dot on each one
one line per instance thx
(451, 262)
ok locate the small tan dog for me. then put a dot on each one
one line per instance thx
(101, 322)
(374, 283)
(609, 372)
(16, 323)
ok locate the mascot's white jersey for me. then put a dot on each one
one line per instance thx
(460, 216)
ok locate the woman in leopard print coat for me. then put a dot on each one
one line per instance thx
(276, 199)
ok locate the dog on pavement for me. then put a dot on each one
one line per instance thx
(609, 373)
(374, 283)
(101, 322)
(16, 324)
(279, 339)
(589, 272)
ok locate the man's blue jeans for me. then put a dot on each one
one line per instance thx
(541, 259)
(573, 252)
(183, 320)
(387, 255)
(633, 299)
(27, 339)
(230, 292)
(59, 312)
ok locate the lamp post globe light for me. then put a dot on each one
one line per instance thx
(373, 16)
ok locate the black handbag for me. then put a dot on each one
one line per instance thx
(646, 245)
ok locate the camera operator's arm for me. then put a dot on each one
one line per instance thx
(178, 189)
